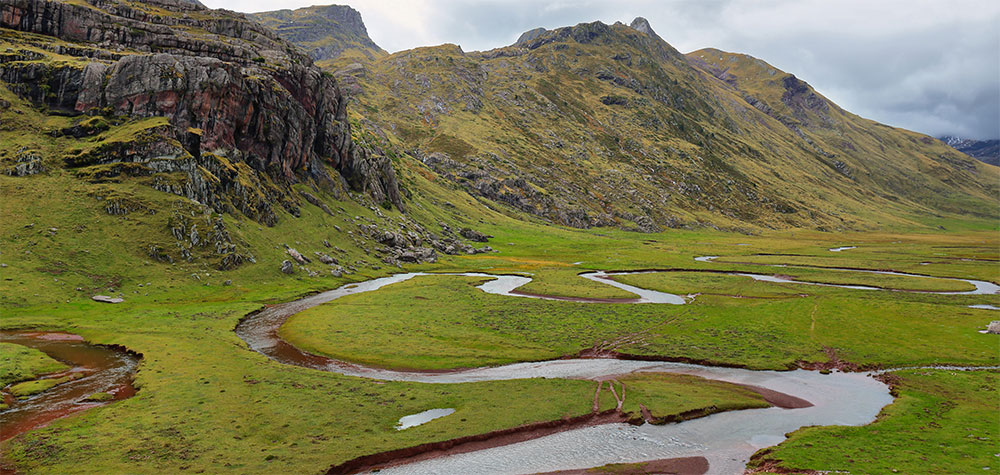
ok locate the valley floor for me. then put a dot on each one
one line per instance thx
(206, 403)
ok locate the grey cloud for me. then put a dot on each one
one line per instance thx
(928, 66)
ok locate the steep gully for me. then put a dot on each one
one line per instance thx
(725, 440)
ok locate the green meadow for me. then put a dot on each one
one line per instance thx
(207, 403)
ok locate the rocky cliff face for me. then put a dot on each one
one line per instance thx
(324, 32)
(247, 114)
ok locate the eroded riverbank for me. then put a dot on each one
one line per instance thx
(95, 369)
(727, 440)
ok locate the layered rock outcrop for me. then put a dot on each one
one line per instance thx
(227, 86)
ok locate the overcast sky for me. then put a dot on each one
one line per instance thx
(929, 66)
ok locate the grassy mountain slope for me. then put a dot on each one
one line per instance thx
(586, 126)
(598, 125)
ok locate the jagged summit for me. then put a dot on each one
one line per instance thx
(641, 25)
(530, 35)
(327, 32)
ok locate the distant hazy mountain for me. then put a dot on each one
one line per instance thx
(987, 151)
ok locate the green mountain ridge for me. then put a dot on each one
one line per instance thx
(200, 167)
(608, 125)
(586, 126)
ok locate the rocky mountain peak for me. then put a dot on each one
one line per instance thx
(326, 32)
(178, 4)
(986, 151)
(641, 25)
(530, 35)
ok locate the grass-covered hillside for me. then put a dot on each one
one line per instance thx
(598, 125)
(200, 167)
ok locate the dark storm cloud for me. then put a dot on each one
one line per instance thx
(929, 66)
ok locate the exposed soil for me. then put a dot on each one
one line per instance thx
(761, 464)
(95, 368)
(674, 466)
(473, 442)
(775, 398)
(834, 363)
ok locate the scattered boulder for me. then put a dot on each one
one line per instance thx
(392, 239)
(296, 255)
(417, 255)
(107, 299)
(27, 162)
(326, 259)
(287, 267)
(473, 235)
(994, 327)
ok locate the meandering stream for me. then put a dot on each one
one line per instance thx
(102, 370)
(727, 440)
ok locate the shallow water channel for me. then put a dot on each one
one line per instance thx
(101, 369)
(727, 439)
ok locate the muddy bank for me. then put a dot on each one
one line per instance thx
(473, 442)
(500, 438)
(779, 399)
(725, 439)
(94, 369)
(674, 466)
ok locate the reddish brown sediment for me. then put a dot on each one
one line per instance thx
(503, 437)
(95, 368)
(674, 466)
(775, 398)
(11, 430)
(646, 414)
(765, 465)
(835, 363)
(473, 443)
(597, 395)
